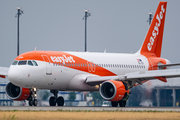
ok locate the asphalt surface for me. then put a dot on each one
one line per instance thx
(48, 108)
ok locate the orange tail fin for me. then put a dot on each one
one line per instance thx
(153, 41)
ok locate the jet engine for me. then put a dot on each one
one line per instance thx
(17, 93)
(113, 90)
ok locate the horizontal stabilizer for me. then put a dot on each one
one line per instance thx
(168, 65)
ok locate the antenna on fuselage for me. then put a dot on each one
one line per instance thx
(87, 14)
(20, 12)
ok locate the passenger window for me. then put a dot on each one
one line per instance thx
(30, 63)
(35, 63)
(22, 62)
(15, 62)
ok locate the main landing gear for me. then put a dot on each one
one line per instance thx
(54, 99)
(32, 99)
(121, 103)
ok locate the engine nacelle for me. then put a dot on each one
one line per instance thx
(113, 90)
(17, 93)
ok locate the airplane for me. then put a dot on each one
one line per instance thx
(112, 74)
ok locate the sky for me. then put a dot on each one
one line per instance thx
(119, 26)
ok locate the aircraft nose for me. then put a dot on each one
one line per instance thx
(14, 75)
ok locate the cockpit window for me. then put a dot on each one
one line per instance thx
(22, 62)
(35, 63)
(30, 63)
(15, 62)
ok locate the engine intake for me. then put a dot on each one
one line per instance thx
(17, 93)
(113, 90)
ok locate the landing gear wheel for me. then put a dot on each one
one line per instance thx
(30, 102)
(122, 103)
(32, 98)
(52, 101)
(114, 103)
(35, 102)
(60, 101)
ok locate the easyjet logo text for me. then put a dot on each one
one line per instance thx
(155, 32)
(62, 59)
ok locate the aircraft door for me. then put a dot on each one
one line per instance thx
(48, 65)
(91, 66)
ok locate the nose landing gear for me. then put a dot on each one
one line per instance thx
(32, 98)
(54, 99)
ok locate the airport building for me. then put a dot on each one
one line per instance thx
(4, 100)
(163, 96)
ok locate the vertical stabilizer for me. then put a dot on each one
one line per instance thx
(153, 40)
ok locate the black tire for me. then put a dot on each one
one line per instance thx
(30, 102)
(60, 101)
(122, 103)
(35, 102)
(114, 103)
(52, 101)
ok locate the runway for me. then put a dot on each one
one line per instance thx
(77, 108)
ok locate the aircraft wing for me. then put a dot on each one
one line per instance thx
(136, 77)
(4, 72)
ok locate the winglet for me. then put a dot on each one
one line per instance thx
(153, 40)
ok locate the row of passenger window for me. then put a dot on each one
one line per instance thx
(25, 62)
(100, 65)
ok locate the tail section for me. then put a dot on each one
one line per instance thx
(153, 40)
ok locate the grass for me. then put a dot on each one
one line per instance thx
(87, 115)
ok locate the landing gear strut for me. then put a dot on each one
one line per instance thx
(32, 99)
(54, 99)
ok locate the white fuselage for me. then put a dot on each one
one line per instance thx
(64, 77)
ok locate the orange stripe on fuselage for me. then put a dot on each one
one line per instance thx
(58, 57)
